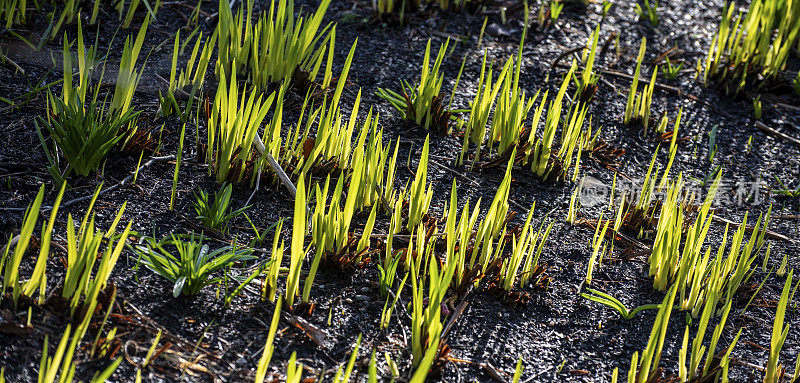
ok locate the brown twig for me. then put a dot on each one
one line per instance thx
(281, 174)
(457, 314)
(768, 232)
(124, 182)
(563, 54)
(776, 133)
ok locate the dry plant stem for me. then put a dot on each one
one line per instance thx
(124, 182)
(179, 90)
(564, 54)
(18, 68)
(262, 149)
(601, 57)
(281, 174)
(776, 133)
(672, 89)
(787, 106)
(459, 174)
(749, 228)
(459, 310)
(13, 241)
(493, 372)
(154, 327)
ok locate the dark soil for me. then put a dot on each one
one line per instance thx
(559, 335)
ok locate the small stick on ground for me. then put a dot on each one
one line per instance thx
(776, 133)
(124, 182)
(16, 66)
(457, 314)
(769, 233)
(262, 149)
(281, 174)
(460, 175)
(493, 372)
(562, 55)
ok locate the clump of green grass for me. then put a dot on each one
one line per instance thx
(556, 7)
(422, 103)
(696, 275)
(83, 135)
(187, 262)
(785, 190)
(86, 275)
(377, 164)
(294, 370)
(275, 48)
(523, 264)
(191, 76)
(648, 10)
(491, 230)
(216, 214)
(83, 252)
(671, 71)
(426, 322)
(322, 140)
(664, 259)
(10, 261)
(87, 267)
(751, 48)
(13, 12)
(587, 82)
(512, 107)
(84, 130)
(636, 209)
(127, 76)
(61, 364)
(539, 152)
(232, 129)
(333, 141)
(715, 365)
(638, 106)
(480, 108)
(331, 225)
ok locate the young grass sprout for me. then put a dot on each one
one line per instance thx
(638, 106)
(648, 10)
(780, 331)
(422, 104)
(751, 48)
(187, 262)
(277, 47)
(216, 214)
